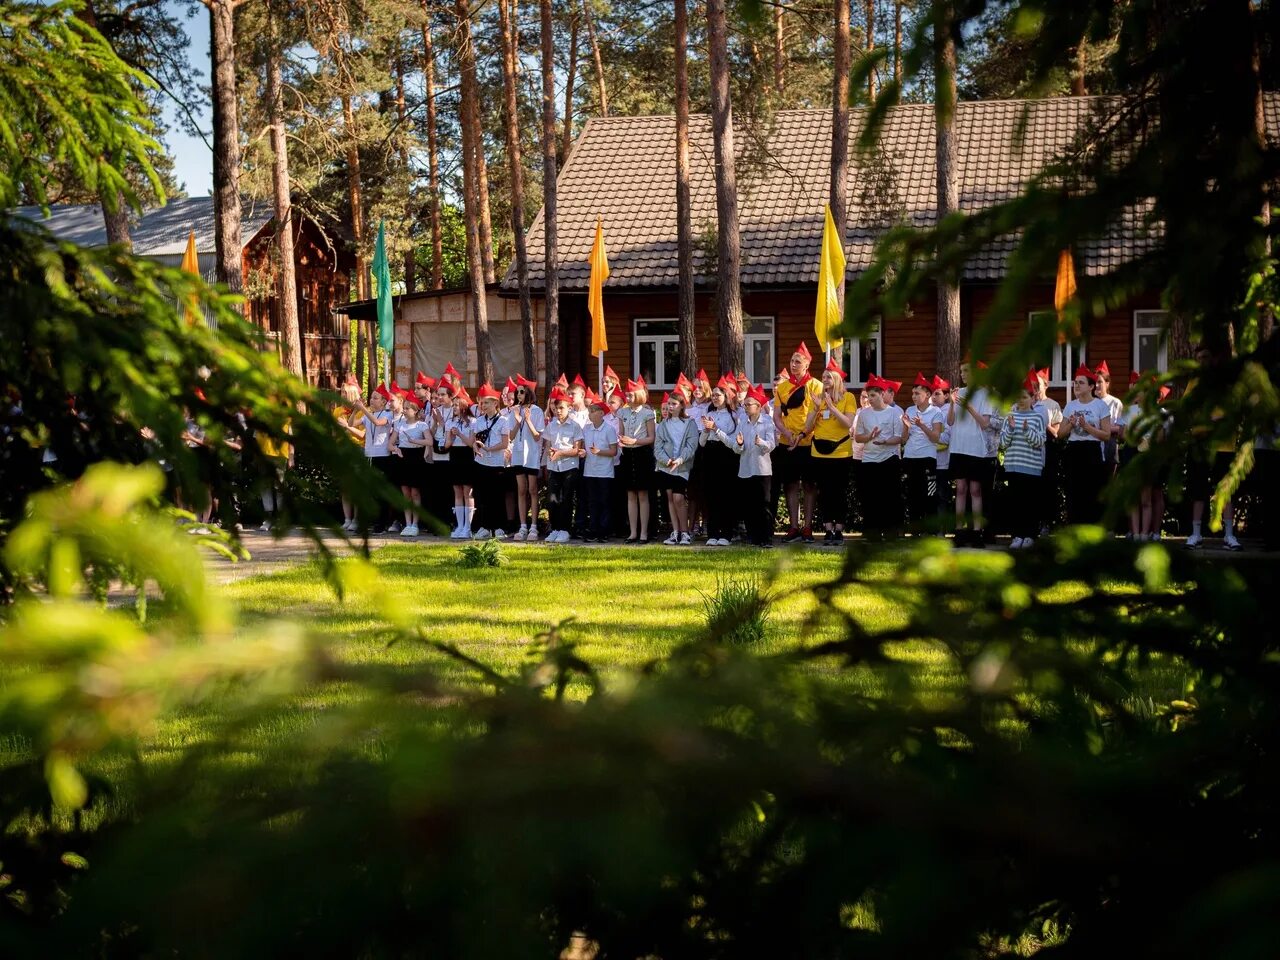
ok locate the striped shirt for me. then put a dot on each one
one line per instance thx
(1022, 440)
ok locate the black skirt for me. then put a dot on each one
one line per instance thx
(462, 466)
(636, 469)
(408, 466)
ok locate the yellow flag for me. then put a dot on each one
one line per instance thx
(595, 296)
(831, 265)
(1064, 287)
(191, 264)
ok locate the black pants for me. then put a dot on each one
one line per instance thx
(1266, 473)
(1051, 486)
(598, 494)
(491, 498)
(946, 499)
(386, 512)
(1024, 503)
(832, 477)
(1083, 470)
(880, 497)
(722, 485)
(753, 497)
(920, 474)
(562, 488)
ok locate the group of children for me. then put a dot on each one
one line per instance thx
(720, 456)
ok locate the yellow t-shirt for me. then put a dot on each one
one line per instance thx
(343, 415)
(794, 416)
(267, 444)
(829, 430)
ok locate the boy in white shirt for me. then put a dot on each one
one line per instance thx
(879, 429)
(562, 439)
(599, 446)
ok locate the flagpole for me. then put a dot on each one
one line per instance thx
(600, 373)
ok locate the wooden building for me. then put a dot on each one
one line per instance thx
(323, 266)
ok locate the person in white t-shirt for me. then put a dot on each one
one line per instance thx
(879, 429)
(1110, 446)
(528, 422)
(923, 424)
(410, 446)
(562, 439)
(1086, 425)
(376, 420)
(491, 436)
(970, 415)
(599, 447)
(459, 436)
(941, 400)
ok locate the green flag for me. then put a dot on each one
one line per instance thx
(382, 276)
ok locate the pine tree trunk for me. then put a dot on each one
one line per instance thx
(410, 256)
(371, 353)
(728, 293)
(840, 129)
(779, 50)
(471, 192)
(871, 45)
(116, 220)
(684, 205)
(551, 302)
(287, 283)
(433, 158)
(948, 324)
(482, 171)
(1078, 69)
(226, 145)
(566, 142)
(358, 366)
(516, 168)
(595, 56)
(355, 197)
(897, 41)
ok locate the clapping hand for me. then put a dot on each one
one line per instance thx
(739, 439)
(875, 434)
(760, 441)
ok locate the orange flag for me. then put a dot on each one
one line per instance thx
(191, 264)
(595, 292)
(1065, 286)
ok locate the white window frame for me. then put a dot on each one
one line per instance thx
(1066, 356)
(658, 339)
(1157, 323)
(853, 357)
(748, 348)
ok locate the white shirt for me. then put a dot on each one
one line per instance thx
(526, 451)
(376, 438)
(490, 432)
(407, 432)
(465, 430)
(754, 458)
(918, 445)
(562, 436)
(890, 425)
(580, 417)
(600, 437)
(1116, 406)
(967, 437)
(1051, 410)
(1095, 411)
(726, 426)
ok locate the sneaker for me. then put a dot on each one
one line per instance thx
(409, 531)
(1028, 543)
(807, 533)
(532, 536)
(521, 534)
(204, 532)
(395, 527)
(456, 534)
(500, 534)
(1015, 543)
(1231, 543)
(483, 533)
(266, 527)
(1193, 541)
(685, 540)
(793, 536)
(672, 540)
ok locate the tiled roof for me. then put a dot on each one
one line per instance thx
(623, 170)
(160, 231)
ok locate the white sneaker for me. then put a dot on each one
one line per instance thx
(685, 540)
(349, 526)
(199, 531)
(521, 534)
(1028, 543)
(1231, 543)
(266, 527)
(466, 533)
(410, 531)
(672, 540)
(395, 527)
(532, 536)
(1015, 543)
(500, 534)
(1193, 541)
(456, 533)
(483, 533)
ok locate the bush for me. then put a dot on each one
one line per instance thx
(737, 614)
(486, 554)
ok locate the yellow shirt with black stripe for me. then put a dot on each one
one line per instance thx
(829, 430)
(795, 415)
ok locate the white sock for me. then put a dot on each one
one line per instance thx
(470, 512)
(1195, 524)
(457, 514)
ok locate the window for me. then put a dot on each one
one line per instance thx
(758, 346)
(863, 357)
(1066, 356)
(1150, 341)
(656, 352)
